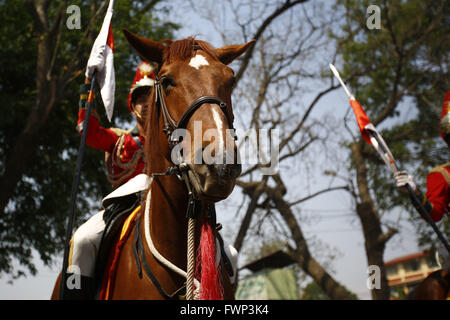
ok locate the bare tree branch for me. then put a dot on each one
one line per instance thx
(255, 191)
(248, 55)
(315, 194)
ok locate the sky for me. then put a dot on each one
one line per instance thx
(336, 227)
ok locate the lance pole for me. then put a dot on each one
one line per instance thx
(383, 150)
(75, 184)
(417, 203)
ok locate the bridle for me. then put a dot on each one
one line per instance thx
(181, 171)
(170, 125)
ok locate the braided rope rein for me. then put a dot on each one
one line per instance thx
(190, 261)
(191, 293)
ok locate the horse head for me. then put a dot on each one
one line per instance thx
(190, 121)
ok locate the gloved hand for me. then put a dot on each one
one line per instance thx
(96, 59)
(402, 178)
(443, 258)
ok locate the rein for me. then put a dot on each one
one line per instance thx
(158, 255)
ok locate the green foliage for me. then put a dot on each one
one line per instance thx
(314, 292)
(399, 294)
(399, 74)
(36, 216)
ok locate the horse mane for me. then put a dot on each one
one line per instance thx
(181, 50)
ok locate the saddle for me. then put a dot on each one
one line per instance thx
(118, 205)
(116, 212)
(142, 264)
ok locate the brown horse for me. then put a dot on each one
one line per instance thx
(435, 287)
(193, 87)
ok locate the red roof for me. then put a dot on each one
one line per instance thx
(408, 279)
(407, 258)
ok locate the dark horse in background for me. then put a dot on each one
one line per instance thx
(194, 85)
(435, 287)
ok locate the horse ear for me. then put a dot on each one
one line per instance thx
(147, 49)
(227, 54)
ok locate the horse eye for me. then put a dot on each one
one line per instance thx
(166, 82)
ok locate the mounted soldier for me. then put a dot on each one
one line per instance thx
(123, 148)
(432, 206)
(92, 262)
(437, 198)
(125, 166)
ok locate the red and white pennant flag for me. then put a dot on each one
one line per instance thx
(373, 137)
(102, 60)
(368, 131)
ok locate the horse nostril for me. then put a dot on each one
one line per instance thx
(235, 171)
(227, 171)
(221, 170)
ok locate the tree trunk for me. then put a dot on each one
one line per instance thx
(28, 139)
(375, 239)
(254, 195)
(48, 91)
(301, 253)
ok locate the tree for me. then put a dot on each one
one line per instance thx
(313, 292)
(267, 96)
(43, 66)
(401, 77)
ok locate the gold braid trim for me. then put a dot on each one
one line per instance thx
(441, 170)
(119, 132)
(113, 159)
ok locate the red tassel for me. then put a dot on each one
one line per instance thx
(210, 284)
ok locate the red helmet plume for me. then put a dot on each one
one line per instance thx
(445, 116)
(144, 78)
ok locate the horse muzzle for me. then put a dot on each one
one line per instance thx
(213, 182)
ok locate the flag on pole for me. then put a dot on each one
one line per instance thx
(361, 117)
(377, 141)
(368, 131)
(102, 57)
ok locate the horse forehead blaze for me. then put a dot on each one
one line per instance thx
(198, 61)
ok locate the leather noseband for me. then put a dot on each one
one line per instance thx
(170, 125)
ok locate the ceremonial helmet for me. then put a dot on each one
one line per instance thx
(445, 119)
(144, 78)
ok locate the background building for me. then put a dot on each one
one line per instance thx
(405, 273)
(269, 280)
